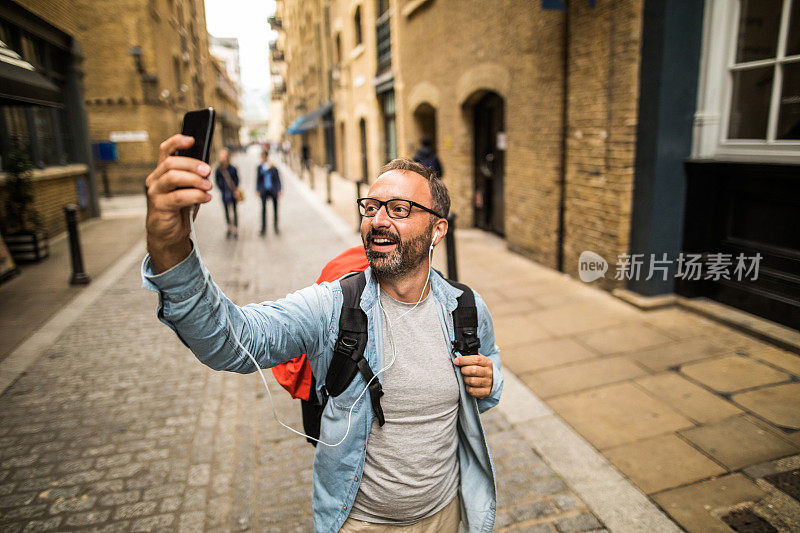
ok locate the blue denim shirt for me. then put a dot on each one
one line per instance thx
(307, 321)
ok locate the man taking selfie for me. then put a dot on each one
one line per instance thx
(413, 456)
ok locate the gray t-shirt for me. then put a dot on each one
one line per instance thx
(411, 469)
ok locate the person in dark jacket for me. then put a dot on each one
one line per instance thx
(268, 185)
(228, 182)
(305, 160)
(426, 155)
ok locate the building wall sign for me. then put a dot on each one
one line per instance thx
(129, 136)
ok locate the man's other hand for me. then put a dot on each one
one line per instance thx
(477, 372)
(173, 187)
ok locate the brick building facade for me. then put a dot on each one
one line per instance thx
(148, 62)
(226, 104)
(125, 72)
(552, 174)
(51, 132)
(331, 65)
(637, 131)
(562, 166)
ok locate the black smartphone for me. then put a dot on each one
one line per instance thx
(200, 125)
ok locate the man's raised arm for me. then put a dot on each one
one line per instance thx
(190, 303)
(173, 188)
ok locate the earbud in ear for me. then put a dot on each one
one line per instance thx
(435, 235)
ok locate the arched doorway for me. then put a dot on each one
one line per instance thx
(488, 119)
(425, 123)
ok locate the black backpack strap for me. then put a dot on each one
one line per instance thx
(465, 322)
(348, 353)
(311, 410)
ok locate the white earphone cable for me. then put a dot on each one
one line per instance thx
(258, 367)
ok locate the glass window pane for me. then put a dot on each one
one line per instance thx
(17, 128)
(789, 110)
(388, 103)
(68, 145)
(391, 139)
(32, 51)
(46, 133)
(759, 22)
(793, 43)
(750, 103)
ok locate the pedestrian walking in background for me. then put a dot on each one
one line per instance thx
(426, 155)
(413, 454)
(305, 160)
(268, 185)
(228, 182)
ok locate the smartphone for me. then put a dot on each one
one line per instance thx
(200, 125)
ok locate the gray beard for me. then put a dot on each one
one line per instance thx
(403, 260)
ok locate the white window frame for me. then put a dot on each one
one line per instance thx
(720, 32)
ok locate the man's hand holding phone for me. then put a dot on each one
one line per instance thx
(173, 188)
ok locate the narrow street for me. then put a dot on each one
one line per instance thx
(116, 426)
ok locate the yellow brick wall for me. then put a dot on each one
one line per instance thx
(308, 61)
(603, 99)
(114, 94)
(355, 96)
(59, 13)
(50, 195)
(448, 55)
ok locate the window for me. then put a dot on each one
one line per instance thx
(383, 35)
(40, 132)
(47, 126)
(176, 69)
(198, 91)
(749, 98)
(357, 26)
(342, 148)
(389, 125)
(32, 51)
(362, 130)
(765, 75)
(18, 136)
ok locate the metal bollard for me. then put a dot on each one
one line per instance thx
(79, 277)
(106, 186)
(450, 239)
(328, 182)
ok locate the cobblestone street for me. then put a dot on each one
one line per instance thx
(116, 426)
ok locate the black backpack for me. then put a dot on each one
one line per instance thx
(348, 352)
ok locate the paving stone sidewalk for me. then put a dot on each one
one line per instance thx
(41, 289)
(703, 418)
(116, 427)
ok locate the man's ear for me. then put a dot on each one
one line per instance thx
(440, 227)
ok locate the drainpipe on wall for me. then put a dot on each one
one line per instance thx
(562, 183)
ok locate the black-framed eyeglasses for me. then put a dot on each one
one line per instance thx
(395, 208)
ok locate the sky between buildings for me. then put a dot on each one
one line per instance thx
(247, 21)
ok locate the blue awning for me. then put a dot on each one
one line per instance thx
(309, 121)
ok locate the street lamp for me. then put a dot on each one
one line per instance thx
(136, 53)
(149, 80)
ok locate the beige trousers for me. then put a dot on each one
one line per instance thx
(447, 520)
